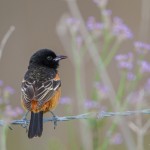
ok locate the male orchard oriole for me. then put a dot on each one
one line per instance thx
(40, 88)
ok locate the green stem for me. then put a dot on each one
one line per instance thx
(3, 138)
(120, 94)
(107, 41)
(71, 136)
(106, 142)
(121, 88)
(112, 53)
(95, 135)
(79, 88)
(138, 76)
(78, 72)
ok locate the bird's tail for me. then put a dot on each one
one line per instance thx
(36, 125)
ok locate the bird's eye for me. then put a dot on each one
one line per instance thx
(49, 58)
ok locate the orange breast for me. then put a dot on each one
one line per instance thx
(57, 77)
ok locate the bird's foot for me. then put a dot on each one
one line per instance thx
(25, 121)
(25, 116)
(55, 119)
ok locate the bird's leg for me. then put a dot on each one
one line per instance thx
(24, 118)
(25, 115)
(55, 119)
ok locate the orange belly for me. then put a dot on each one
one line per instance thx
(48, 106)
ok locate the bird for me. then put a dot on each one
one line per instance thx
(41, 88)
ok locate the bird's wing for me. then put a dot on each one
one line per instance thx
(39, 91)
(44, 91)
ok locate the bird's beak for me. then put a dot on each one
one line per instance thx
(59, 57)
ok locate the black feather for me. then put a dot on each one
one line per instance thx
(36, 125)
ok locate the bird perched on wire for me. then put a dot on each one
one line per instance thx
(40, 88)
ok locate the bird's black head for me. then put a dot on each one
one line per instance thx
(47, 58)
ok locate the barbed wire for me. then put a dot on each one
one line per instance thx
(97, 115)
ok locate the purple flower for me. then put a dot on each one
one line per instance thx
(121, 57)
(12, 112)
(93, 25)
(90, 23)
(9, 89)
(102, 89)
(18, 110)
(116, 139)
(65, 100)
(71, 21)
(125, 61)
(101, 3)
(99, 26)
(128, 56)
(121, 30)
(73, 24)
(131, 76)
(125, 65)
(91, 104)
(141, 47)
(107, 12)
(124, 57)
(9, 112)
(144, 66)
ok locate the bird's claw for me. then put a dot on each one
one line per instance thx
(55, 121)
(25, 121)
(25, 124)
(25, 116)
